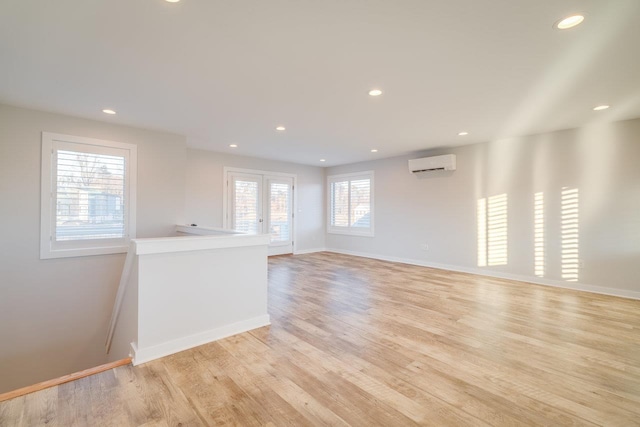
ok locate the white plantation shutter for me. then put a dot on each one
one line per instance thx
(340, 204)
(88, 196)
(246, 204)
(360, 197)
(351, 204)
(280, 211)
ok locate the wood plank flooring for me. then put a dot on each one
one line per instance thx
(362, 342)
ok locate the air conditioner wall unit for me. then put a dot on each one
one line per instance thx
(433, 164)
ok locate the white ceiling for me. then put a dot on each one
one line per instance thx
(229, 71)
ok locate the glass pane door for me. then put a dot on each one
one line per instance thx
(279, 214)
(246, 203)
(259, 203)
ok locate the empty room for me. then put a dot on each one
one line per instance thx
(350, 213)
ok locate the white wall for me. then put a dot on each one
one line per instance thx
(204, 189)
(54, 313)
(603, 161)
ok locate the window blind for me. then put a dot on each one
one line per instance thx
(89, 199)
(360, 198)
(279, 211)
(351, 203)
(246, 206)
(340, 204)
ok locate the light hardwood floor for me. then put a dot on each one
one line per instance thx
(361, 342)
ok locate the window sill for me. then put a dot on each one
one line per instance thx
(48, 253)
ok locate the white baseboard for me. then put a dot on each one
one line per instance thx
(500, 275)
(147, 354)
(309, 251)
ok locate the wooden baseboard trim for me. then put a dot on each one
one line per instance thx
(63, 379)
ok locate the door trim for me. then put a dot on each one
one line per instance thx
(225, 195)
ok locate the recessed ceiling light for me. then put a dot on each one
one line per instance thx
(463, 133)
(374, 150)
(375, 92)
(280, 128)
(569, 22)
(173, 1)
(600, 107)
(108, 111)
(322, 160)
(233, 145)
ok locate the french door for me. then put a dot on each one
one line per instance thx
(262, 204)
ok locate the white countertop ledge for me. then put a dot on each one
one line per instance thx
(204, 231)
(162, 245)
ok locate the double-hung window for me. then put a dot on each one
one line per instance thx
(88, 196)
(351, 204)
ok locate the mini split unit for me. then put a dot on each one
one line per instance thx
(433, 164)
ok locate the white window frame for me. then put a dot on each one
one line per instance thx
(49, 248)
(349, 230)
